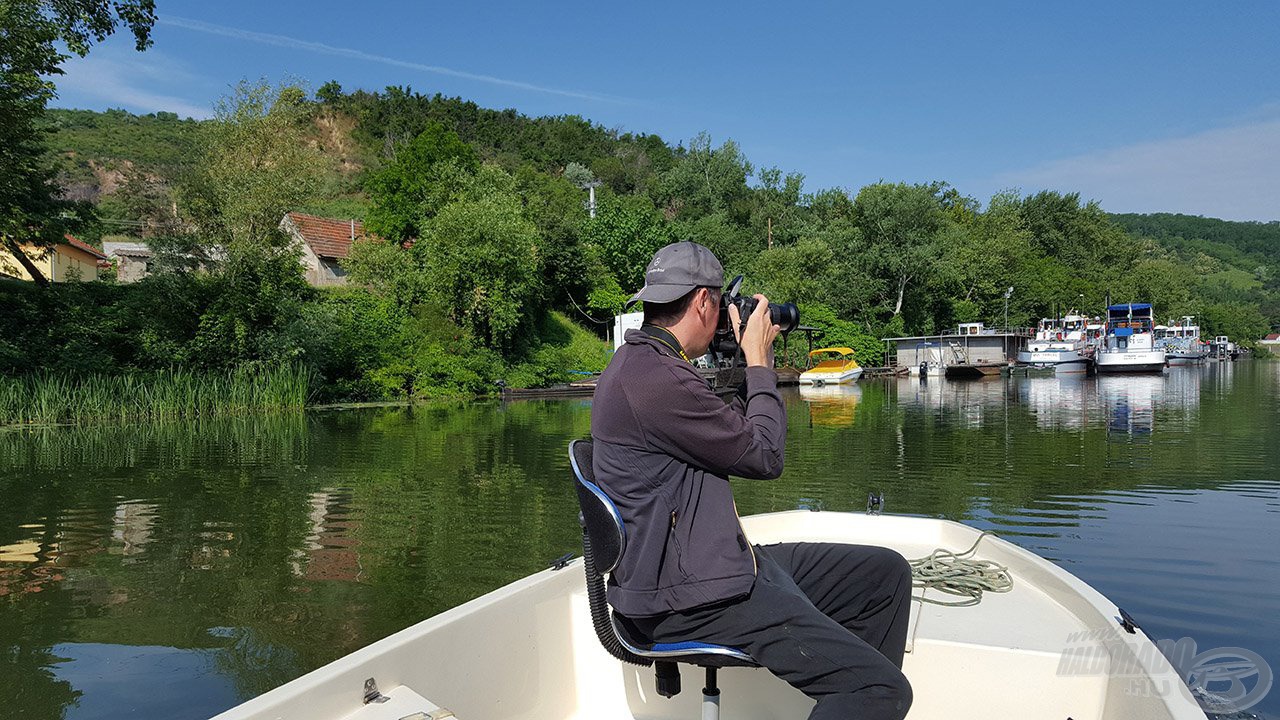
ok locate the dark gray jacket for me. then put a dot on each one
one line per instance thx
(664, 448)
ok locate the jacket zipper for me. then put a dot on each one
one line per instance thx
(755, 568)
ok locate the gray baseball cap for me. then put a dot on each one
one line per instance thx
(677, 269)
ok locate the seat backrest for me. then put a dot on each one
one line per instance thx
(600, 517)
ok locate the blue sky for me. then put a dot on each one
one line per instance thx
(1143, 106)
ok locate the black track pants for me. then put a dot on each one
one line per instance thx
(830, 619)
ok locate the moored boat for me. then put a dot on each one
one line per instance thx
(1051, 647)
(1223, 349)
(833, 371)
(1181, 342)
(1058, 345)
(1129, 343)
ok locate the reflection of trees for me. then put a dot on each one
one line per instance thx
(35, 612)
(434, 505)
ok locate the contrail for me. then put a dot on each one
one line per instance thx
(298, 44)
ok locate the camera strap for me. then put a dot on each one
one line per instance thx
(665, 337)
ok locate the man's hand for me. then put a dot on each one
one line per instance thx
(757, 340)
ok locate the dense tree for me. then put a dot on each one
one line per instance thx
(706, 181)
(900, 226)
(626, 231)
(555, 206)
(776, 210)
(425, 175)
(256, 167)
(482, 260)
(1258, 239)
(983, 258)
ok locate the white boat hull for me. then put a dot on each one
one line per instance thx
(1063, 361)
(1119, 361)
(1050, 648)
(830, 378)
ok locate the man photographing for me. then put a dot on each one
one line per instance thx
(828, 618)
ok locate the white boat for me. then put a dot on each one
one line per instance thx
(1181, 342)
(834, 371)
(1129, 345)
(1051, 647)
(1059, 344)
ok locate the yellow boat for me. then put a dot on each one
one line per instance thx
(833, 371)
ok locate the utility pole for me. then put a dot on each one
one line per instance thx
(770, 233)
(1007, 293)
(591, 197)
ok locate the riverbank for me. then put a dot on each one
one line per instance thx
(116, 349)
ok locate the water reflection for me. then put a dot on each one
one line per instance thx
(246, 552)
(831, 405)
(1057, 401)
(1125, 404)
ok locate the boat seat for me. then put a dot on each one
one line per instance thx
(603, 540)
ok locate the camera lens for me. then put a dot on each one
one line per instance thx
(785, 315)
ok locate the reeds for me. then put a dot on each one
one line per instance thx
(49, 398)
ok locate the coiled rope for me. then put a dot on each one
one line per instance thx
(959, 574)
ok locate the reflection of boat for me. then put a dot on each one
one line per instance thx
(1131, 403)
(831, 405)
(1050, 647)
(1057, 401)
(1128, 345)
(833, 371)
(1058, 344)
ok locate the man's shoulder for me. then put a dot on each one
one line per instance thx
(643, 365)
(639, 387)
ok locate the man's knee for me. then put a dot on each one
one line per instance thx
(893, 698)
(901, 695)
(889, 699)
(892, 566)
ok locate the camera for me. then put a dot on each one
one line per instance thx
(725, 344)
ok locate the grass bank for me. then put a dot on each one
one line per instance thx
(49, 398)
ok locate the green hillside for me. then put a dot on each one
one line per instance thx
(1254, 241)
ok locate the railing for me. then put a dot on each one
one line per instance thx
(989, 331)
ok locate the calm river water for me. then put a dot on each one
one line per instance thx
(171, 571)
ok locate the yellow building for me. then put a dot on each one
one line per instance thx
(65, 262)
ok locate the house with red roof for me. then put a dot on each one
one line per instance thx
(324, 243)
(70, 261)
(1271, 343)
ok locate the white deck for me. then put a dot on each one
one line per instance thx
(528, 651)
